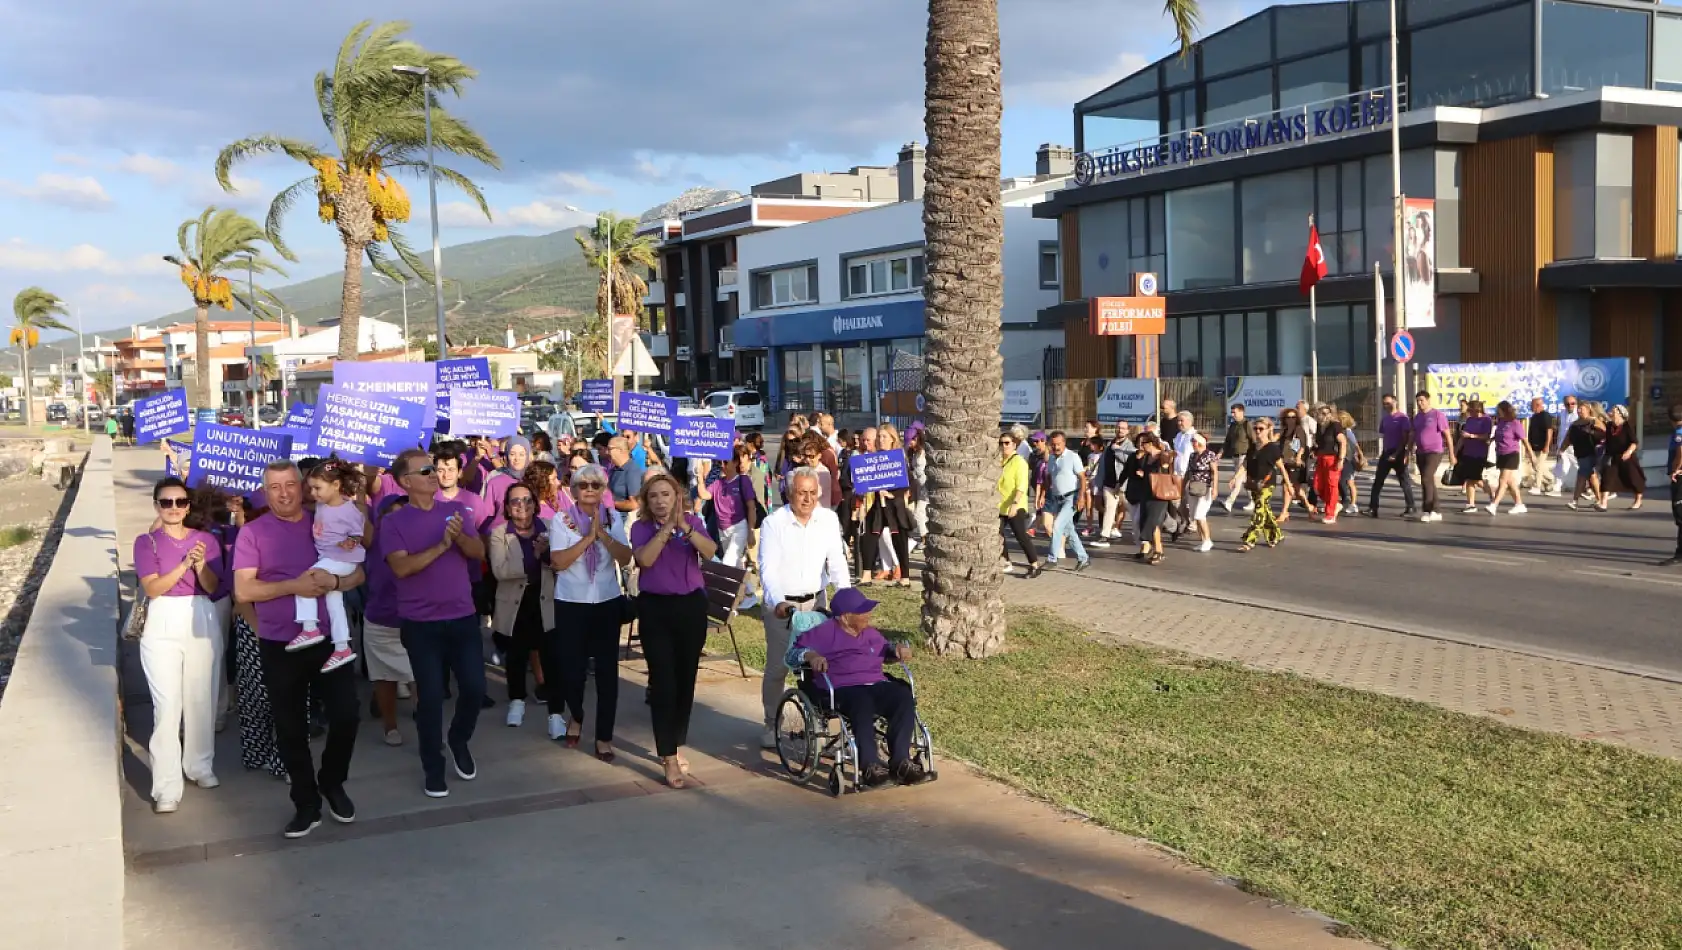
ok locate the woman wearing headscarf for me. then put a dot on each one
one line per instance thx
(1621, 469)
(516, 455)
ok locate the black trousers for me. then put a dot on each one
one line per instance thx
(1395, 461)
(292, 678)
(889, 699)
(1017, 525)
(1428, 464)
(674, 632)
(528, 635)
(1676, 512)
(437, 649)
(870, 547)
(585, 632)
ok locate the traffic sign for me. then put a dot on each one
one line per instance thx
(1401, 346)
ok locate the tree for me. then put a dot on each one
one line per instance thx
(34, 310)
(268, 370)
(55, 385)
(376, 121)
(215, 248)
(963, 223)
(104, 387)
(614, 241)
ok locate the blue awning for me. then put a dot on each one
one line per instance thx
(862, 321)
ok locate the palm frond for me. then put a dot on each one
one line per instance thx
(406, 253)
(237, 152)
(1187, 17)
(383, 265)
(278, 208)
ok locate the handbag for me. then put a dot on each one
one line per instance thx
(627, 609)
(134, 625)
(1196, 489)
(1165, 486)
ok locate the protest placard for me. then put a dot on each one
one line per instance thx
(406, 382)
(300, 415)
(703, 437)
(879, 471)
(232, 459)
(643, 413)
(363, 428)
(161, 416)
(596, 396)
(488, 412)
(472, 372)
(303, 445)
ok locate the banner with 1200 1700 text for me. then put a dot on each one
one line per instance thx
(493, 413)
(1262, 395)
(596, 395)
(1604, 381)
(1130, 400)
(161, 416)
(232, 458)
(368, 429)
(879, 471)
(641, 413)
(473, 372)
(703, 437)
(415, 383)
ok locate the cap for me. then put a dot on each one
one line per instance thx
(1038, 436)
(850, 600)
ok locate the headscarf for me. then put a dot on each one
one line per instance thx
(522, 441)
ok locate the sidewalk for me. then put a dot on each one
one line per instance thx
(1530, 692)
(552, 848)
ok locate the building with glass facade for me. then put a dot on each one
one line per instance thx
(1544, 131)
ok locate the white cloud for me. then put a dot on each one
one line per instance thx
(83, 192)
(1069, 86)
(19, 255)
(574, 183)
(161, 171)
(249, 195)
(537, 214)
(72, 159)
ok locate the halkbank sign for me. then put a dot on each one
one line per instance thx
(1333, 118)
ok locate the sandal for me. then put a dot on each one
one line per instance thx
(1155, 559)
(573, 737)
(606, 756)
(1246, 548)
(674, 772)
(682, 763)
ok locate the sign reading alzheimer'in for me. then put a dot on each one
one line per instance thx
(703, 437)
(1605, 381)
(161, 416)
(300, 415)
(596, 396)
(641, 413)
(879, 471)
(488, 412)
(233, 459)
(472, 372)
(367, 429)
(407, 382)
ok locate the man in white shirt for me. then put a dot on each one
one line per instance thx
(826, 428)
(1565, 469)
(800, 547)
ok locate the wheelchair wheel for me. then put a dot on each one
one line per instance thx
(836, 784)
(797, 735)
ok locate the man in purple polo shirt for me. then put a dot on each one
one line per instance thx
(431, 552)
(1430, 443)
(1395, 440)
(274, 562)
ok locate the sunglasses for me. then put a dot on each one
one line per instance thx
(173, 503)
(1006, 442)
(520, 503)
(423, 470)
(589, 486)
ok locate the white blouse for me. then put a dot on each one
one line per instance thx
(575, 585)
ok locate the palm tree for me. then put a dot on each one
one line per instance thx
(376, 121)
(268, 370)
(104, 387)
(34, 310)
(613, 246)
(963, 223)
(216, 244)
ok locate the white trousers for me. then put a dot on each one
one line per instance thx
(181, 653)
(885, 556)
(734, 551)
(1566, 471)
(304, 610)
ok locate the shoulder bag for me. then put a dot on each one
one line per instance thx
(135, 624)
(1165, 486)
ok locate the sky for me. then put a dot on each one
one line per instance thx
(111, 114)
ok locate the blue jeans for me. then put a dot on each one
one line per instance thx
(1064, 527)
(434, 647)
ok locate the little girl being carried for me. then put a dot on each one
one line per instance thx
(341, 529)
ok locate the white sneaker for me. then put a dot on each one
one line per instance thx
(1097, 543)
(207, 781)
(1517, 510)
(1493, 509)
(768, 738)
(165, 808)
(403, 691)
(1535, 491)
(516, 711)
(1010, 569)
(557, 726)
(1206, 547)
(1469, 510)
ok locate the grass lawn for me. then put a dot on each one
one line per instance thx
(1418, 827)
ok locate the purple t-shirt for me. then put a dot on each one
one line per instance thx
(277, 550)
(1394, 431)
(495, 492)
(169, 553)
(226, 534)
(479, 507)
(728, 497)
(1508, 436)
(381, 606)
(335, 523)
(443, 590)
(853, 661)
(1476, 448)
(678, 569)
(1430, 431)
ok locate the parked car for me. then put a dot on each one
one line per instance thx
(58, 412)
(743, 405)
(231, 416)
(270, 415)
(96, 415)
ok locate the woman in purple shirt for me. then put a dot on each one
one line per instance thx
(670, 544)
(1476, 430)
(180, 647)
(1509, 448)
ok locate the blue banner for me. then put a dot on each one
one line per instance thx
(233, 459)
(1604, 381)
(303, 440)
(367, 429)
(703, 437)
(472, 372)
(864, 320)
(1132, 400)
(487, 412)
(643, 413)
(596, 396)
(162, 416)
(300, 415)
(415, 383)
(879, 471)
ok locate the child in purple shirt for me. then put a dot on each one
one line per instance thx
(339, 532)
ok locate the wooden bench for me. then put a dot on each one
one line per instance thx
(723, 591)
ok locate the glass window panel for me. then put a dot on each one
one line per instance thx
(1334, 338)
(1256, 362)
(858, 282)
(900, 273)
(1350, 254)
(1245, 43)
(1177, 71)
(1191, 354)
(1667, 53)
(1481, 61)
(1170, 350)
(1325, 198)
(1120, 124)
(878, 276)
(1211, 329)
(1310, 28)
(1138, 235)
(1589, 47)
(1372, 18)
(1200, 237)
(1574, 196)
(1232, 349)
(1614, 198)
(1314, 79)
(1182, 110)
(762, 290)
(1275, 221)
(1380, 202)
(1239, 97)
(1351, 195)
(779, 287)
(1048, 266)
(1365, 347)
(1425, 11)
(797, 289)
(918, 275)
(1293, 341)
(1158, 226)
(1139, 84)
(1375, 65)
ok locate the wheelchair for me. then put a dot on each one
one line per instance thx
(811, 733)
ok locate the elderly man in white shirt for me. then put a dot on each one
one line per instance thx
(800, 549)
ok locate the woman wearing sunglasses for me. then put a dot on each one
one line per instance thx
(180, 647)
(587, 547)
(525, 589)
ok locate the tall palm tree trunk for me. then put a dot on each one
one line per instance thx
(201, 347)
(963, 222)
(350, 304)
(28, 387)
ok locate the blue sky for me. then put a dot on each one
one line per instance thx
(111, 114)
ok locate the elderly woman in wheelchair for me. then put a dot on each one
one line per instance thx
(841, 661)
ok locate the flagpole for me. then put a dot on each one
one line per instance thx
(1378, 326)
(1313, 331)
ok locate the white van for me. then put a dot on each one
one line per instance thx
(743, 405)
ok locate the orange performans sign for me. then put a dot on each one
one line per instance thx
(1129, 316)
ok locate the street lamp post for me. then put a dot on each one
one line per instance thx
(404, 286)
(432, 190)
(82, 371)
(251, 311)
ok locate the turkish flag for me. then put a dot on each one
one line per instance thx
(1313, 264)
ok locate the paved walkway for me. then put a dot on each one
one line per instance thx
(1535, 693)
(551, 848)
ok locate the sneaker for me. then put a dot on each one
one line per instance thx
(1096, 543)
(1436, 516)
(1010, 569)
(910, 773)
(207, 781)
(435, 787)
(1469, 510)
(516, 712)
(1351, 509)
(496, 658)
(1082, 565)
(393, 737)
(301, 824)
(165, 808)
(876, 775)
(557, 726)
(1206, 547)
(768, 738)
(1373, 513)
(403, 691)
(1406, 513)
(1493, 509)
(339, 805)
(462, 761)
(1556, 493)
(1572, 504)
(339, 658)
(304, 641)
(1535, 491)
(1035, 570)
(1518, 509)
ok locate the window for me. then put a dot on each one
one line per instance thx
(1306, 29)
(1245, 43)
(1429, 11)
(1588, 47)
(1375, 67)
(1338, 214)
(1614, 195)
(897, 272)
(1593, 184)
(1228, 100)
(797, 379)
(786, 287)
(1200, 237)
(1315, 79)
(1667, 53)
(1275, 222)
(1120, 124)
(1050, 270)
(1182, 110)
(1482, 61)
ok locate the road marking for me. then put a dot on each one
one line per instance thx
(1632, 576)
(1376, 546)
(1514, 561)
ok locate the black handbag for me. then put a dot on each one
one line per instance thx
(627, 609)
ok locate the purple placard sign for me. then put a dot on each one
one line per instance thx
(703, 437)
